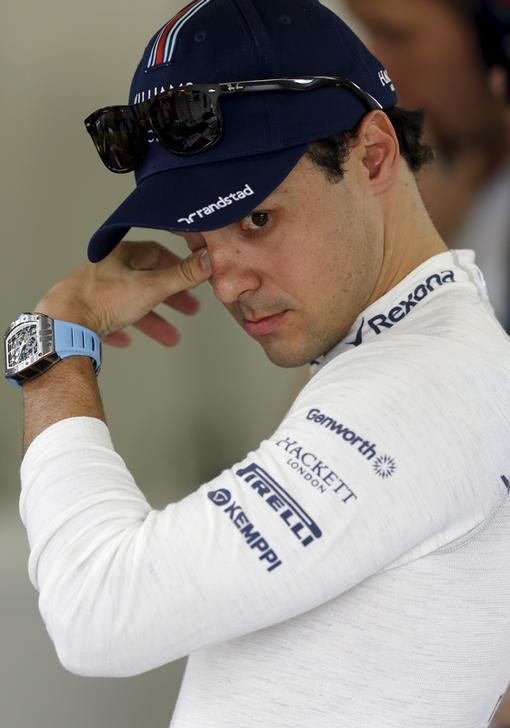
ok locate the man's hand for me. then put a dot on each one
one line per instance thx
(120, 291)
(124, 288)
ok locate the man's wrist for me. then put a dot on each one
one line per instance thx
(63, 311)
(72, 366)
(35, 342)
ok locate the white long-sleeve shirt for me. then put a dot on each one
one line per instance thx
(353, 571)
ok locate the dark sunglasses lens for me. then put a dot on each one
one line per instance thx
(118, 138)
(186, 121)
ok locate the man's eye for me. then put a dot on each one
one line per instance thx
(256, 220)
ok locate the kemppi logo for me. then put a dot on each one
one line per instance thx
(252, 536)
(220, 497)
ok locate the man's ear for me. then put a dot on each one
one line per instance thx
(380, 150)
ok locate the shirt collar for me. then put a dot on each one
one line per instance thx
(425, 283)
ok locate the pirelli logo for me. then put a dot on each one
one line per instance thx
(300, 523)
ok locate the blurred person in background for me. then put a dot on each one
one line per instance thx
(452, 59)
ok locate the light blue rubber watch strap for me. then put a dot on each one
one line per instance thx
(72, 340)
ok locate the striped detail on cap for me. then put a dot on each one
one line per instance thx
(164, 45)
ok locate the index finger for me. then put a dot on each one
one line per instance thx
(183, 302)
(146, 255)
(181, 276)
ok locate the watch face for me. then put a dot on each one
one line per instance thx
(22, 345)
(29, 347)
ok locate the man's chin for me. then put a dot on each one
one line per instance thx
(286, 357)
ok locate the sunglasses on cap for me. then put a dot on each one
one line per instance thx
(187, 120)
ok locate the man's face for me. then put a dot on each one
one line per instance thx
(433, 57)
(299, 269)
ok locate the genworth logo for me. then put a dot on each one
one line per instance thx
(384, 465)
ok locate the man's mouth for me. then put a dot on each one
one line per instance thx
(263, 325)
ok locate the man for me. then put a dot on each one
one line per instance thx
(452, 58)
(352, 570)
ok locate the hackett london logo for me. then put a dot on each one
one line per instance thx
(314, 470)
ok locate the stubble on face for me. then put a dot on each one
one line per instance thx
(320, 266)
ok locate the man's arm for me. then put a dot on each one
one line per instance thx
(305, 517)
(68, 389)
(106, 297)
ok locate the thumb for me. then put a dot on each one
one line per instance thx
(185, 274)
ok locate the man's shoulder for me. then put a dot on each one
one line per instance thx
(444, 365)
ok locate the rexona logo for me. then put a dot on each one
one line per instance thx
(314, 471)
(294, 517)
(219, 204)
(506, 483)
(383, 321)
(254, 539)
(384, 465)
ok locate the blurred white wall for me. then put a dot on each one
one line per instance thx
(177, 417)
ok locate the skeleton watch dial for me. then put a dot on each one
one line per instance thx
(23, 345)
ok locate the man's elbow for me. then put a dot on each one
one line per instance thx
(79, 655)
(91, 644)
(99, 644)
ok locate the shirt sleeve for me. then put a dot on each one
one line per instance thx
(357, 479)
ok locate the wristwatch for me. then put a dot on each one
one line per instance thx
(35, 342)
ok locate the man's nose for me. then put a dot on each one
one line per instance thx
(233, 272)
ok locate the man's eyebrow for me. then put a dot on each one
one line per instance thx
(273, 199)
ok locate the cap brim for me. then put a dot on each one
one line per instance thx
(196, 198)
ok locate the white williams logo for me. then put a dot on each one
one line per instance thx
(150, 93)
(219, 204)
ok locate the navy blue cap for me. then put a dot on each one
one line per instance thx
(265, 134)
